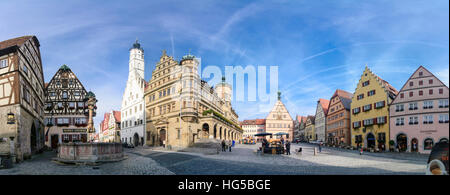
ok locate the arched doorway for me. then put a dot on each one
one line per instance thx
(414, 145)
(370, 140)
(220, 132)
(33, 139)
(225, 134)
(205, 130)
(444, 140)
(136, 139)
(215, 131)
(402, 142)
(162, 137)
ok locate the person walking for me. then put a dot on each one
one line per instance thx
(288, 147)
(223, 146)
(229, 145)
(320, 147)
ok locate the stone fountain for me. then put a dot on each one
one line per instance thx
(90, 152)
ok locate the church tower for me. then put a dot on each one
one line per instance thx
(136, 63)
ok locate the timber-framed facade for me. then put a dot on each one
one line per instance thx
(21, 97)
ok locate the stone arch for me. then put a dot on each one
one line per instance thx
(205, 130)
(215, 131)
(402, 140)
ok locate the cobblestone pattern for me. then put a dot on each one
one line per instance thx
(42, 165)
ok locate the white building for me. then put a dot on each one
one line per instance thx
(252, 127)
(132, 109)
(320, 120)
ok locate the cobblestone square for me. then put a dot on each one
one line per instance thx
(241, 161)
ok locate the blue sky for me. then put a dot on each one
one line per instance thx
(318, 46)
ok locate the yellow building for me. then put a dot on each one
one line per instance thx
(370, 111)
(310, 133)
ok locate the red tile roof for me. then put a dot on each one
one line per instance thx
(117, 116)
(324, 103)
(13, 42)
(301, 119)
(254, 122)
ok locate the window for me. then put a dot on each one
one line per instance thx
(380, 104)
(431, 92)
(430, 81)
(71, 104)
(402, 95)
(357, 124)
(421, 82)
(443, 103)
(411, 84)
(64, 95)
(3, 63)
(428, 119)
(441, 91)
(360, 96)
(427, 104)
(428, 144)
(80, 104)
(25, 69)
(367, 107)
(368, 122)
(80, 121)
(365, 83)
(381, 120)
(62, 121)
(399, 107)
(413, 106)
(443, 118)
(399, 121)
(420, 93)
(420, 73)
(371, 93)
(178, 134)
(411, 94)
(413, 120)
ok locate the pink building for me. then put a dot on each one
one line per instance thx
(419, 113)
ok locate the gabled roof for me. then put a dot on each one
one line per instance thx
(312, 118)
(301, 119)
(14, 42)
(116, 116)
(324, 103)
(344, 96)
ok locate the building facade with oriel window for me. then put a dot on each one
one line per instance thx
(66, 109)
(419, 114)
(21, 97)
(182, 109)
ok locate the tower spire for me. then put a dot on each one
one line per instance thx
(279, 95)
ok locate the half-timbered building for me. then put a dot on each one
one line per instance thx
(66, 109)
(21, 97)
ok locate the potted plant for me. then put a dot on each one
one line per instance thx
(391, 145)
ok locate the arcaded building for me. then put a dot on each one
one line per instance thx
(182, 109)
(419, 114)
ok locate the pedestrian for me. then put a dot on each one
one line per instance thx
(320, 147)
(229, 145)
(233, 143)
(288, 147)
(361, 151)
(223, 146)
(282, 140)
(300, 150)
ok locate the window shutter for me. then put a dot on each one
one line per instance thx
(375, 121)
(384, 103)
(385, 119)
